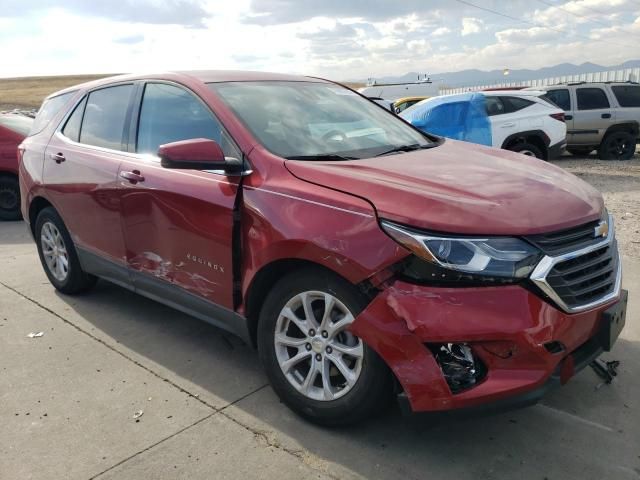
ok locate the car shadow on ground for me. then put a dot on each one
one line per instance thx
(14, 233)
(566, 437)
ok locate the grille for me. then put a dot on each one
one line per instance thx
(587, 278)
(568, 240)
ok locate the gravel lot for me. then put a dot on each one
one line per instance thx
(619, 182)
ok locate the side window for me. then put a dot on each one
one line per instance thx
(49, 110)
(513, 104)
(494, 105)
(627, 95)
(104, 117)
(591, 99)
(170, 114)
(72, 128)
(559, 98)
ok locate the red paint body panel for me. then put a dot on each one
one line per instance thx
(177, 226)
(462, 189)
(84, 190)
(404, 317)
(9, 141)
(286, 218)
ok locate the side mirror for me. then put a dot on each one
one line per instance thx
(197, 154)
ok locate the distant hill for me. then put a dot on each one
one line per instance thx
(469, 78)
(28, 92)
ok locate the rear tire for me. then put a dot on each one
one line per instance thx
(9, 198)
(617, 146)
(58, 254)
(580, 152)
(326, 384)
(527, 149)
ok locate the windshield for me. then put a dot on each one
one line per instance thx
(307, 119)
(17, 123)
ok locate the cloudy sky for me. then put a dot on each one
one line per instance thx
(339, 39)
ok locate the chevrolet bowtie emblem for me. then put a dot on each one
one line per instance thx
(601, 230)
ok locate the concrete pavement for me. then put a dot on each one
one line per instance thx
(67, 401)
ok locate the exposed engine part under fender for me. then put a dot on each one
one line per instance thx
(496, 342)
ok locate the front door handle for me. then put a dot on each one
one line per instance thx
(132, 177)
(508, 125)
(57, 157)
(606, 115)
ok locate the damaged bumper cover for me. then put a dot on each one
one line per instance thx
(523, 345)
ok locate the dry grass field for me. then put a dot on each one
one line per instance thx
(28, 92)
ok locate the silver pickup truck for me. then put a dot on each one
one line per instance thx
(600, 116)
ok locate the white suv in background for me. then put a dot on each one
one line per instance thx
(520, 121)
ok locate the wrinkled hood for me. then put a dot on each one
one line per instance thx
(459, 187)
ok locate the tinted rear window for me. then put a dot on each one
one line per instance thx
(559, 98)
(49, 109)
(513, 104)
(104, 117)
(591, 99)
(627, 95)
(72, 128)
(17, 123)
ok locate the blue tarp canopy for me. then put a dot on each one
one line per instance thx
(461, 117)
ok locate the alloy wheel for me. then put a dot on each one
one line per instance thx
(319, 357)
(54, 251)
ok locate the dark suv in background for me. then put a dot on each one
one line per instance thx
(599, 116)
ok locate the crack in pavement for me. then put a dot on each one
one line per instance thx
(301, 454)
(125, 460)
(110, 347)
(197, 422)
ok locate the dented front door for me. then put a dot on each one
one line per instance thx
(178, 231)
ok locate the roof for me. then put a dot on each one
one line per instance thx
(204, 76)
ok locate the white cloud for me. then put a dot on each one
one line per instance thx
(351, 44)
(471, 25)
(438, 32)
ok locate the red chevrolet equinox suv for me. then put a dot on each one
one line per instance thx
(362, 257)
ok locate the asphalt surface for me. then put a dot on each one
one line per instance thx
(68, 400)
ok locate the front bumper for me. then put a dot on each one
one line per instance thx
(556, 151)
(507, 328)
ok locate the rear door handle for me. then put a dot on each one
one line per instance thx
(132, 177)
(57, 157)
(606, 115)
(568, 117)
(508, 125)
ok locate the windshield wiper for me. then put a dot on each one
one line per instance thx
(321, 157)
(403, 148)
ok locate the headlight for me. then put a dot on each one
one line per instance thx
(504, 257)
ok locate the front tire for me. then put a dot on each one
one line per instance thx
(9, 198)
(527, 149)
(617, 146)
(58, 254)
(315, 365)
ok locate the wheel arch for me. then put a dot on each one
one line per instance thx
(264, 279)
(631, 127)
(36, 205)
(534, 137)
